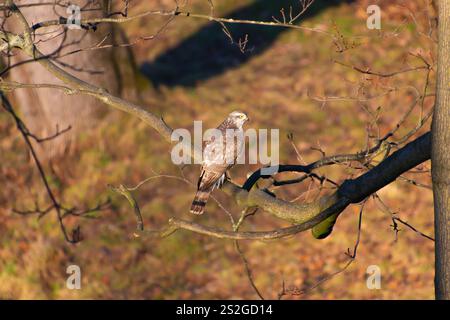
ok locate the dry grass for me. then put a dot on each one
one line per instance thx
(275, 87)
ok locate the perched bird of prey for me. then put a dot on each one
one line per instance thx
(215, 164)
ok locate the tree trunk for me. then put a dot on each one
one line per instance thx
(440, 156)
(43, 109)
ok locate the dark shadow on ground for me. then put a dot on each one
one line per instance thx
(208, 52)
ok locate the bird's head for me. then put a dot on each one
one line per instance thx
(238, 117)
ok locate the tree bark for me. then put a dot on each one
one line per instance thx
(43, 109)
(440, 156)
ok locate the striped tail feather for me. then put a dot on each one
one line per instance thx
(200, 200)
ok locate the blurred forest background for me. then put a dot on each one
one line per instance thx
(192, 72)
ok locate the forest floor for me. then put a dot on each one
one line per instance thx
(192, 72)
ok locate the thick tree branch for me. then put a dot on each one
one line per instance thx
(304, 216)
